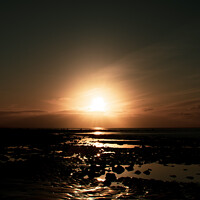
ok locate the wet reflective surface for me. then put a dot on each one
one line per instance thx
(111, 143)
(99, 166)
(171, 172)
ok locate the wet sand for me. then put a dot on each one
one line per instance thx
(53, 164)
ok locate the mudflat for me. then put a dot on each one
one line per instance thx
(52, 164)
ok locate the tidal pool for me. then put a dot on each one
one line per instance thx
(170, 172)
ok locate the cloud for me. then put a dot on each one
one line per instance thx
(19, 112)
(189, 105)
(73, 119)
(58, 101)
(56, 120)
(148, 109)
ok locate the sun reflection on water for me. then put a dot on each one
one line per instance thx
(97, 133)
(98, 144)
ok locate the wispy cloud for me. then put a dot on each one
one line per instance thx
(19, 112)
(58, 101)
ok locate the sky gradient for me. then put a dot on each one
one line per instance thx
(142, 57)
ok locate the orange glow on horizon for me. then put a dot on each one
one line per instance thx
(98, 106)
(98, 128)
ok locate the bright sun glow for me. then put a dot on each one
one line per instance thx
(98, 105)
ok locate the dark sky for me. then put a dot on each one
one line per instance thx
(141, 57)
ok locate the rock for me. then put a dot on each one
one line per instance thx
(110, 177)
(147, 172)
(107, 183)
(129, 168)
(119, 169)
(127, 181)
(137, 172)
(190, 177)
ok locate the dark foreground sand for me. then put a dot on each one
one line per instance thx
(43, 165)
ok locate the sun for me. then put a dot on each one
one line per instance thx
(98, 105)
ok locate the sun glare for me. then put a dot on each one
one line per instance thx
(97, 105)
